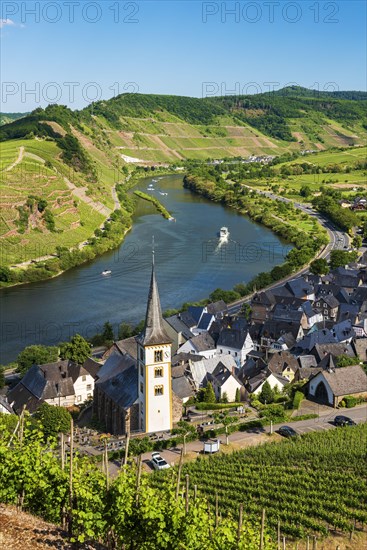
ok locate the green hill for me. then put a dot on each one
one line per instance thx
(7, 118)
(72, 159)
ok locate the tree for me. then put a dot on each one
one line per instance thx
(54, 419)
(319, 267)
(78, 349)
(225, 420)
(266, 394)
(246, 311)
(185, 429)
(209, 395)
(340, 258)
(5, 274)
(125, 331)
(346, 361)
(108, 335)
(238, 395)
(36, 355)
(305, 191)
(357, 241)
(224, 398)
(2, 376)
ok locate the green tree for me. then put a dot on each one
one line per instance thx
(246, 311)
(346, 361)
(78, 349)
(53, 419)
(108, 335)
(319, 267)
(125, 331)
(36, 355)
(209, 395)
(357, 241)
(339, 258)
(238, 395)
(305, 191)
(185, 429)
(266, 394)
(2, 376)
(5, 274)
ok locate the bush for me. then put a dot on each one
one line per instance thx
(298, 396)
(216, 406)
(350, 401)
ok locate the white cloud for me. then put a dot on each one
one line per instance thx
(6, 22)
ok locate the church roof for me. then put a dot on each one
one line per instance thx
(153, 332)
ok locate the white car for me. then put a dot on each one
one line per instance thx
(158, 462)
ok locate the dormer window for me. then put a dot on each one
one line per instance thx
(158, 356)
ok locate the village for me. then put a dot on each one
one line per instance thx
(304, 340)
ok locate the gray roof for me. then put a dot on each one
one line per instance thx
(92, 367)
(320, 350)
(20, 396)
(115, 364)
(128, 346)
(4, 403)
(221, 374)
(182, 387)
(307, 361)
(217, 307)
(203, 342)
(343, 331)
(282, 360)
(154, 332)
(348, 311)
(179, 326)
(360, 345)
(346, 380)
(122, 388)
(205, 321)
(200, 369)
(299, 287)
(232, 338)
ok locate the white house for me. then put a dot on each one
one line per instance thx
(330, 387)
(224, 382)
(202, 344)
(235, 342)
(255, 385)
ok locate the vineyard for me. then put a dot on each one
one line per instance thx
(310, 486)
(128, 512)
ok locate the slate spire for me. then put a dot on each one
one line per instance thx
(154, 332)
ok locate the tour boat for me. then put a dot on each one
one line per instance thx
(164, 194)
(223, 233)
(150, 188)
(106, 272)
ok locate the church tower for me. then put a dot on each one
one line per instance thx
(154, 367)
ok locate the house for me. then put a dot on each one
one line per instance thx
(201, 344)
(224, 382)
(328, 305)
(343, 331)
(284, 343)
(283, 364)
(330, 387)
(254, 385)
(236, 342)
(122, 347)
(262, 304)
(63, 383)
(301, 288)
(198, 371)
(177, 330)
(5, 408)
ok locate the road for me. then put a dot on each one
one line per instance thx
(338, 240)
(258, 436)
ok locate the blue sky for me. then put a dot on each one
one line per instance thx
(74, 52)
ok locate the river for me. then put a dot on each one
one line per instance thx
(190, 263)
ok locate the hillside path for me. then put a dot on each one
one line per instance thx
(80, 192)
(19, 159)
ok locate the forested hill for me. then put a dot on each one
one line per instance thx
(165, 127)
(7, 118)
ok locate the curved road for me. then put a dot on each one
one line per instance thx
(338, 241)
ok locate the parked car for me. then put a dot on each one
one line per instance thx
(287, 431)
(343, 421)
(158, 462)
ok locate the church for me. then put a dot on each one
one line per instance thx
(133, 392)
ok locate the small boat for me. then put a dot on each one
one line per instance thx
(154, 181)
(164, 194)
(223, 233)
(106, 272)
(171, 219)
(150, 189)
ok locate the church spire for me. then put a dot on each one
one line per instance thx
(154, 332)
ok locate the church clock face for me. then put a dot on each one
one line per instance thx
(166, 354)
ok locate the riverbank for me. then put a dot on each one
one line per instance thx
(108, 236)
(159, 206)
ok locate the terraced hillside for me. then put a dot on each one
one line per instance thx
(59, 167)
